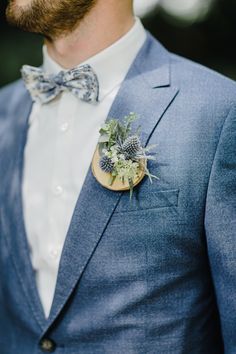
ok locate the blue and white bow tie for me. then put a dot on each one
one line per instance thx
(43, 87)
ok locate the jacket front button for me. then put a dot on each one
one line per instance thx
(47, 345)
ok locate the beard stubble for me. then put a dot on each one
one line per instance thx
(51, 19)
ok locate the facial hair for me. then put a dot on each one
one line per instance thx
(52, 19)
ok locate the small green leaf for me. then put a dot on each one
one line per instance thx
(103, 138)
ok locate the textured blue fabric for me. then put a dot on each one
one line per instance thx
(43, 87)
(155, 275)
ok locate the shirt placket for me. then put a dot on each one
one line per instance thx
(58, 223)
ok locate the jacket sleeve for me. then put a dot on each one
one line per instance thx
(220, 229)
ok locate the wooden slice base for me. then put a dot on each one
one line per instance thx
(103, 177)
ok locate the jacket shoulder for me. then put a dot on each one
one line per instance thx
(10, 94)
(202, 81)
(8, 90)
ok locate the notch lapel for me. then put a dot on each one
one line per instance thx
(12, 210)
(146, 91)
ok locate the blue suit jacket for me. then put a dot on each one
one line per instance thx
(157, 275)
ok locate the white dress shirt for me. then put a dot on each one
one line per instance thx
(62, 138)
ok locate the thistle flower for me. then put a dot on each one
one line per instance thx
(131, 146)
(106, 164)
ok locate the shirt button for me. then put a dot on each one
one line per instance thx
(58, 190)
(54, 253)
(47, 345)
(64, 127)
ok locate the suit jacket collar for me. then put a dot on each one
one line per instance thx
(146, 90)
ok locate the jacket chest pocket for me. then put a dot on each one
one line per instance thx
(145, 200)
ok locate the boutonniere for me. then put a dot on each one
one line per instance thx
(120, 161)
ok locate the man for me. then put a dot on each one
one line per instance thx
(82, 268)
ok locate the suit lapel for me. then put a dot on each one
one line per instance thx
(146, 91)
(12, 212)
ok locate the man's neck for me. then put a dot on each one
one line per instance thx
(100, 28)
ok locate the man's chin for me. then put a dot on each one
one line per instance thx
(20, 3)
(48, 18)
(13, 12)
(17, 14)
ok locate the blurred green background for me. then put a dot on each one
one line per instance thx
(202, 30)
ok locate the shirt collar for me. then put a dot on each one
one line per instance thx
(111, 64)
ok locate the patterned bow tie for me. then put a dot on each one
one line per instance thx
(81, 81)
